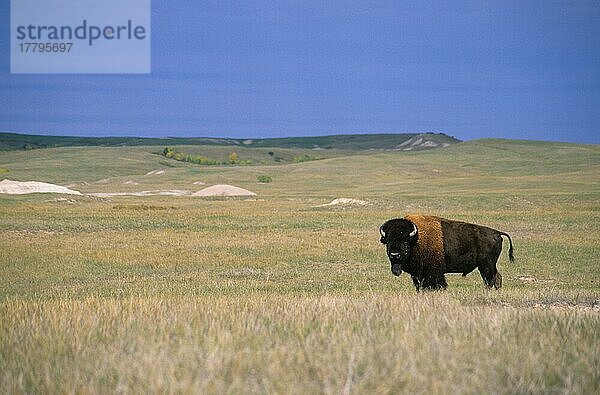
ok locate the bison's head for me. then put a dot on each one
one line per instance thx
(398, 235)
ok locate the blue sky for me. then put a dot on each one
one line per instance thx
(513, 69)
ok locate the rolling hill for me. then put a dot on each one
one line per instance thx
(401, 141)
(471, 168)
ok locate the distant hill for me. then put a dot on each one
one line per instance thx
(399, 141)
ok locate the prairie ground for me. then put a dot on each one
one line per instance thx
(276, 295)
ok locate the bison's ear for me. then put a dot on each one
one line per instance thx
(381, 231)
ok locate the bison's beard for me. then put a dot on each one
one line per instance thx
(396, 269)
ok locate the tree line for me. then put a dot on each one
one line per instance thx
(169, 152)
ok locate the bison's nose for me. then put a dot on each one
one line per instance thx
(396, 269)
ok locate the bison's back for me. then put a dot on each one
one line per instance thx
(467, 246)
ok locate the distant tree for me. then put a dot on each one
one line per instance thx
(233, 158)
(271, 153)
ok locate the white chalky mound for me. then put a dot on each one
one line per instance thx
(224, 190)
(345, 202)
(21, 188)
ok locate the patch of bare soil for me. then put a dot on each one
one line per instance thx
(170, 192)
(155, 173)
(62, 200)
(142, 207)
(588, 306)
(529, 279)
(345, 202)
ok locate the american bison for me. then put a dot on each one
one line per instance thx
(427, 247)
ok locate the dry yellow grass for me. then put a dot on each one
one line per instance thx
(261, 343)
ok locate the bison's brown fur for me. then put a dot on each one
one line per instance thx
(429, 249)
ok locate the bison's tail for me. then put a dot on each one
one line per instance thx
(510, 250)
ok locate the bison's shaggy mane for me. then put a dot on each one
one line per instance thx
(429, 249)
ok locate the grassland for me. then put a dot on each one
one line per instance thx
(277, 295)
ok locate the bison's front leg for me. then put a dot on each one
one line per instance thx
(417, 282)
(430, 283)
(436, 283)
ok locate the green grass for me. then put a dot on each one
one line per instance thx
(274, 294)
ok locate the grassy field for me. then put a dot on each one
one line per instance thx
(277, 295)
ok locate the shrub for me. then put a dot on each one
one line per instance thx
(264, 179)
(3, 170)
(303, 158)
(168, 152)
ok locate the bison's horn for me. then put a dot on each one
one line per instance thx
(414, 232)
(381, 231)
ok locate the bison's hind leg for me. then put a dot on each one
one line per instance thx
(488, 259)
(491, 276)
(498, 280)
